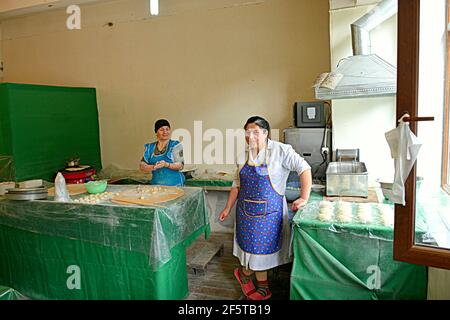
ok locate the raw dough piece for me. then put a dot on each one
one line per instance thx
(344, 212)
(325, 204)
(365, 217)
(325, 217)
(364, 213)
(152, 195)
(344, 218)
(325, 213)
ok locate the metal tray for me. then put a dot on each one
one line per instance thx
(31, 196)
(347, 179)
(27, 190)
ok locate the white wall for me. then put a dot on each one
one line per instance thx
(361, 123)
(218, 61)
(438, 284)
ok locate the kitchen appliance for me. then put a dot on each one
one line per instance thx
(188, 172)
(314, 145)
(310, 114)
(74, 162)
(80, 176)
(347, 155)
(347, 179)
(74, 173)
(364, 74)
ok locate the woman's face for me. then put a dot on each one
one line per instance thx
(255, 136)
(163, 133)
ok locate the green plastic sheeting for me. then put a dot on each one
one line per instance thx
(337, 261)
(10, 294)
(49, 267)
(208, 183)
(188, 182)
(120, 252)
(41, 127)
(153, 231)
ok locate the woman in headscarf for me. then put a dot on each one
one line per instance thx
(262, 231)
(164, 157)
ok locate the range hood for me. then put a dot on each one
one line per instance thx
(364, 74)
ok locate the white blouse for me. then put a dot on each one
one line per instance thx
(281, 160)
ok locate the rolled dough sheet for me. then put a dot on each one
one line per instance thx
(148, 196)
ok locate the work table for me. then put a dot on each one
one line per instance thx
(126, 252)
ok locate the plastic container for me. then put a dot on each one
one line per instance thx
(98, 186)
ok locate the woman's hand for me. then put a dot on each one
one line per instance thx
(224, 214)
(297, 204)
(161, 164)
(145, 167)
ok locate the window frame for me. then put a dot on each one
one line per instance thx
(445, 184)
(405, 248)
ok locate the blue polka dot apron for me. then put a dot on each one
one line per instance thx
(259, 212)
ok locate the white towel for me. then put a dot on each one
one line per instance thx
(405, 148)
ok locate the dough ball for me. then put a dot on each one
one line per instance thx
(364, 207)
(324, 217)
(344, 218)
(325, 204)
(345, 206)
(344, 211)
(387, 219)
(327, 211)
(365, 217)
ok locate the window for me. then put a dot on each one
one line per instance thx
(446, 147)
(423, 87)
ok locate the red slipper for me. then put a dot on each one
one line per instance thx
(258, 296)
(247, 288)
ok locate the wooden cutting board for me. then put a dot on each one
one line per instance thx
(73, 189)
(372, 198)
(150, 199)
(131, 203)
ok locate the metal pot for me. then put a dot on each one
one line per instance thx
(188, 173)
(74, 162)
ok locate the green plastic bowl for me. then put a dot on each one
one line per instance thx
(98, 186)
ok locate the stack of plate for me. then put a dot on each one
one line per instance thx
(39, 193)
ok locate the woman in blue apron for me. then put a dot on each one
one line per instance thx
(164, 157)
(262, 232)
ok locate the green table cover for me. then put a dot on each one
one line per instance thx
(208, 183)
(349, 261)
(122, 252)
(10, 294)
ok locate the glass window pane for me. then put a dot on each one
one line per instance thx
(432, 224)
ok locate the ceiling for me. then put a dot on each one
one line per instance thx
(13, 8)
(340, 4)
